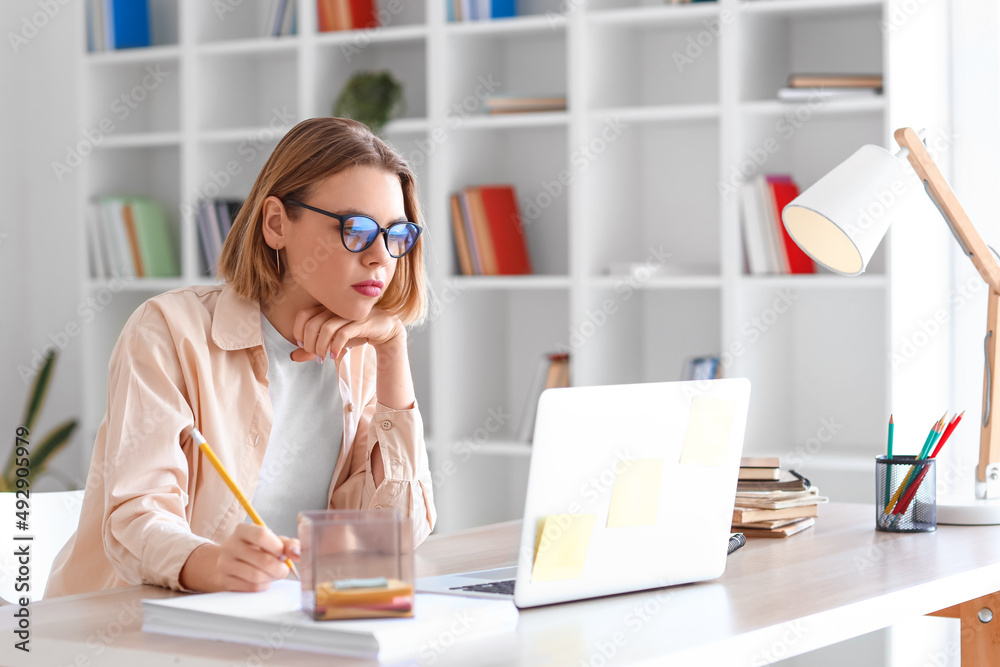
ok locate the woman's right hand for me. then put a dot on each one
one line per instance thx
(246, 561)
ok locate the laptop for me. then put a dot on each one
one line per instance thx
(631, 487)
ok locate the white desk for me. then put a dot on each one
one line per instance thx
(777, 599)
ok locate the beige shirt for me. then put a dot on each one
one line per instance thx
(195, 357)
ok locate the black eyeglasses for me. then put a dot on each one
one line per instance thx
(357, 232)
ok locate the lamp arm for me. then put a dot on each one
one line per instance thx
(988, 472)
(944, 197)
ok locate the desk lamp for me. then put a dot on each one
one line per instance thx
(826, 221)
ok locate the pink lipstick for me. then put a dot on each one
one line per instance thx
(369, 287)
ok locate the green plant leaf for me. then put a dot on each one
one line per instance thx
(36, 398)
(39, 389)
(50, 445)
(372, 98)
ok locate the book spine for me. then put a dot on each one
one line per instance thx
(505, 229)
(461, 242)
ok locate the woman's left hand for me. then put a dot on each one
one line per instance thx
(321, 334)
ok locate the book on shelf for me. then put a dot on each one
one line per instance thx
(870, 81)
(336, 15)
(255, 618)
(117, 24)
(510, 104)
(280, 18)
(702, 368)
(215, 219)
(824, 94)
(769, 248)
(552, 372)
(480, 10)
(130, 237)
(487, 231)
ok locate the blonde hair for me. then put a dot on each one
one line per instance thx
(311, 151)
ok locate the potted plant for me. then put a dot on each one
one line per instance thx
(44, 448)
(373, 98)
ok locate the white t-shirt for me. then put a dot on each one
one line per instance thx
(305, 436)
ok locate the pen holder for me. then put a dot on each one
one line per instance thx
(356, 564)
(908, 487)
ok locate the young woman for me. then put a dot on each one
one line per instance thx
(295, 370)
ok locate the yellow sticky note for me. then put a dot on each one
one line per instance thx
(561, 549)
(708, 431)
(635, 497)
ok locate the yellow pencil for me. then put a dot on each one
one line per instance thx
(210, 455)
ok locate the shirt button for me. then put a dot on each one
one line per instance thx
(386, 424)
(350, 407)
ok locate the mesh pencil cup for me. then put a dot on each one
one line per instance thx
(908, 487)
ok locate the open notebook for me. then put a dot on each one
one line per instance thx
(275, 615)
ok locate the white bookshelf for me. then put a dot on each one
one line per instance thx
(648, 186)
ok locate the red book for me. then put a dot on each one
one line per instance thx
(506, 230)
(783, 191)
(321, 16)
(363, 14)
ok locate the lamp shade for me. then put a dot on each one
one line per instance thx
(841, 219)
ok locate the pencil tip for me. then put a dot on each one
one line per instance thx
(890, 419)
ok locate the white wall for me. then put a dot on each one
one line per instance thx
(39, 260)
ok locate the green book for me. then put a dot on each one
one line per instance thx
(155, 244)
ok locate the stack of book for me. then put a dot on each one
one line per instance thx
(333, 15)
(771, 502)
(480, 10)
(130, 237)
(215, 218)
(804, 87)
(117, 24)
(526, 104)
(769, 248)
(553, 372)
(489, 240)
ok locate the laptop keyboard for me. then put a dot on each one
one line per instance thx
(498, 587)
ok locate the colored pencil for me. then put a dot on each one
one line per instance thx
(931, 438)
(888, 465)
(908, 497)
(231, 483)
(947, 434)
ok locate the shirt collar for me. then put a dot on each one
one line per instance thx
(236, 324)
